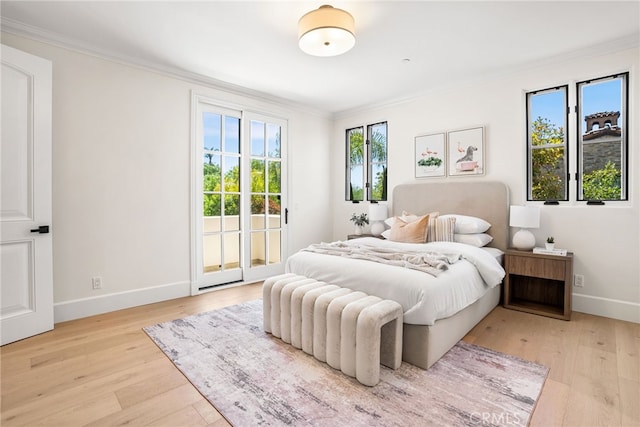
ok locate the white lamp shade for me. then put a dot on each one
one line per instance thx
(524, 216)
(326, 31)
(377, 212)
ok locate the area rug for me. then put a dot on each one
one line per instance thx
(253, 378)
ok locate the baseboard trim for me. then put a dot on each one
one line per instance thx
(85, 307)
(606, 307)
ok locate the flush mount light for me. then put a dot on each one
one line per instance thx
(326, 31)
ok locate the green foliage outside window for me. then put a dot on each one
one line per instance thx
(212, 203)
(378, 165)
(602, 184)
(379, 159)
(356, 163)
(547, 161)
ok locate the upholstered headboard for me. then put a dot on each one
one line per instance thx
(488, 200)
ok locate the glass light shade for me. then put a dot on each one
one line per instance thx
(326, 31)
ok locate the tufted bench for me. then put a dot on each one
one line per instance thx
(348, 329)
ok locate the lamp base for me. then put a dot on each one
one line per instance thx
(377, 227)
(524, 240)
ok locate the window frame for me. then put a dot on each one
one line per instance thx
(624, 143)
(573, 143)
(566, 145)
(367, 163)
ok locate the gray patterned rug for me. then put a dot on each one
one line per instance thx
(253, 378)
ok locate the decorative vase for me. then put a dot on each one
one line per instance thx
(549, 246)
(358, 230)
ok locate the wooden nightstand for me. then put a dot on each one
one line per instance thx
(538, 283)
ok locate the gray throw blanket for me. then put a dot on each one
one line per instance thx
(432, 263)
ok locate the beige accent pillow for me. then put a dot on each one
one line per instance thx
(410, 232)
(442, 230)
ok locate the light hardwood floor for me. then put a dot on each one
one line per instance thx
(104, 370)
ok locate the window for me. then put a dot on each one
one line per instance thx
(602, 138)
(600, 148)
(547, 142)
(366, 177)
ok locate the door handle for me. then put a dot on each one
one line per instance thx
(43, 229)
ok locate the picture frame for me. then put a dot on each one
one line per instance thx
(430, 155)
(465, 151)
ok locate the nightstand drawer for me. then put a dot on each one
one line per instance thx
(538, 267)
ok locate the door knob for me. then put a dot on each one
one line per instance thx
(43, 229)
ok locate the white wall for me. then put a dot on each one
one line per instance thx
(121, 176)
(605, 240)
(121, 206)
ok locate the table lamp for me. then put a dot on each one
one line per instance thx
(524, 217)
(377, 215)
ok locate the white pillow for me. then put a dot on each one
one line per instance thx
(406, 217)
(468, 224)
(478, 240)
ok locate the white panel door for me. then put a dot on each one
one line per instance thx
(26, 282)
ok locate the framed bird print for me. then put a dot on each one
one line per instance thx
(465, 151)
(430, 155)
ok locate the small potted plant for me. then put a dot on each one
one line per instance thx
(359, 221)
(550, 243)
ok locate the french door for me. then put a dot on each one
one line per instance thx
(239, 195)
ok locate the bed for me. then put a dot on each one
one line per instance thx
(430, 328)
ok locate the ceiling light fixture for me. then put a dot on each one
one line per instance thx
(326, 31)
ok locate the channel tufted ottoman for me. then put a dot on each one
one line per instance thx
(351, 331)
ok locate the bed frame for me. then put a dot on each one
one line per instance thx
(489, 200)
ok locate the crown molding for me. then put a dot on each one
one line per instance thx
(55, 39)
(612, 46)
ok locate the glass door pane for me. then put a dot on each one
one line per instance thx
(266, 194)
(221, 217)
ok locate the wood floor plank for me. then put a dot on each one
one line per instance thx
(187, 416)
(551, 408)
(154, 409)
(630, 402)
(27, 412)
(83, 413)
(133, 394)
(208, 412)
(628, 350)
(104, 370)
(593, 402)
(80, 370)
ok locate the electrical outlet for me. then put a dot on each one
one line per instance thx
(96, 282)
(578, 281)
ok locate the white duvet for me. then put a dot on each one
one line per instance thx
(424, 298)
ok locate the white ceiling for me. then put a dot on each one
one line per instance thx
(254, 44)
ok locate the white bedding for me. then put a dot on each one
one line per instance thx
(423, 297)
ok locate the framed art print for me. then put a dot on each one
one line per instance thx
(465, 151)
(430, 155)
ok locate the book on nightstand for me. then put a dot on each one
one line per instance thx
(545, 251)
